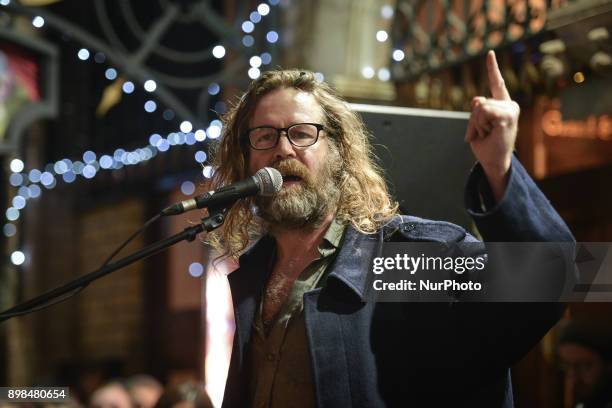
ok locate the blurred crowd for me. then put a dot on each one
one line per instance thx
(139, 391)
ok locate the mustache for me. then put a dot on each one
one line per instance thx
(292, 167)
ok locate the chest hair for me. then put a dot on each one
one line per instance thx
(279, 285)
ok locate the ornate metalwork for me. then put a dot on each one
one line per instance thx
(435, 34)
(152, 55)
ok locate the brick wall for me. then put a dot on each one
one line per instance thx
(110, 309)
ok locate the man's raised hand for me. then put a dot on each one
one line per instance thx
(492, 129)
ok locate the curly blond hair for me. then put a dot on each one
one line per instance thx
(364, 199)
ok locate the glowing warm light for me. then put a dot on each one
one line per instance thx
(592, 128)
(579, 77)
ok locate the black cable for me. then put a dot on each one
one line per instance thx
(131, 237)
(80, 288)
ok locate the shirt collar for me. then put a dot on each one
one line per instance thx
(333, 236)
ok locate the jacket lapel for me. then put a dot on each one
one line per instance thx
(247, 284)
(356, 253)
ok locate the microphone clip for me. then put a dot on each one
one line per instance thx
(215, 218)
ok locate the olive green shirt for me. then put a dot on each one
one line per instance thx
(280, 367)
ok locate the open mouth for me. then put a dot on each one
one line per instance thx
(291, 178)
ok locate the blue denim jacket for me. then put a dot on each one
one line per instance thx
(410, 354)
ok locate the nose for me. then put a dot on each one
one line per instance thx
(284, 149)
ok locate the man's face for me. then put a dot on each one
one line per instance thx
(309, 191)
(584, 370)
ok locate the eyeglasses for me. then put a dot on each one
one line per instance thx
(299, 134)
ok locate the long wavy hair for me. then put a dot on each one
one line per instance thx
(364, 199)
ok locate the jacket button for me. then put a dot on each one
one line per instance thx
(270, 356)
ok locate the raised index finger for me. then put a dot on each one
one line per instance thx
(496, 81)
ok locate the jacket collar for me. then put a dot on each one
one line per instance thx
(356, 252)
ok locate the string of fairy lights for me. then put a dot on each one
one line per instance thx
(30, 184)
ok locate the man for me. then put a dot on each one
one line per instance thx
(585, 356)
(304, 337)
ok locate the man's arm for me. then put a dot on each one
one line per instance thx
(523, 213)
(492, 130)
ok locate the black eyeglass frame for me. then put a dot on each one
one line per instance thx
(279, 132)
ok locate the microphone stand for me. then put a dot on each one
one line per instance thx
(213, 221)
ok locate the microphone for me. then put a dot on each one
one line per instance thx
(266, 182)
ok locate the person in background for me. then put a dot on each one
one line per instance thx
(585, 356)
(185, 395)
(144, 390)
(111, 395)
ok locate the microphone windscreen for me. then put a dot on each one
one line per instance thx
(269, 180)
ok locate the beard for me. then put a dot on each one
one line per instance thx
(307, 202)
